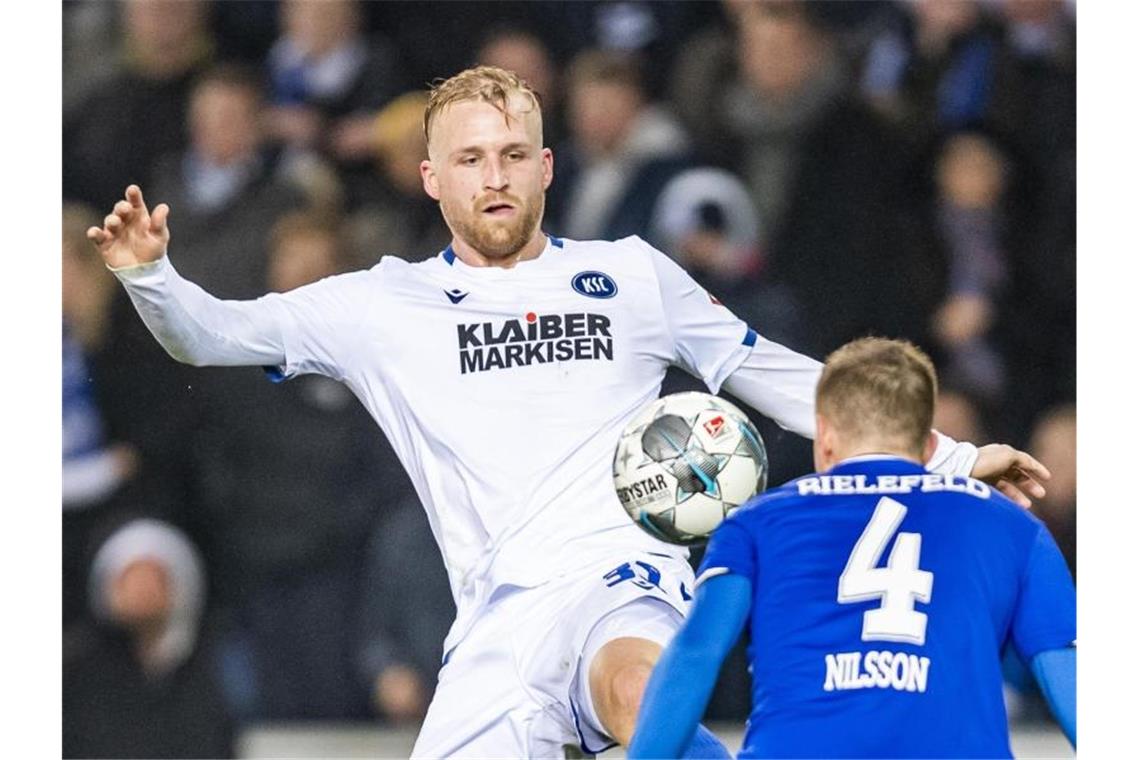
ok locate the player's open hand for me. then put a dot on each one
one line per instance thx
(1013, 472)
(130, 234)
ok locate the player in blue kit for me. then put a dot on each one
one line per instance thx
(879, 595)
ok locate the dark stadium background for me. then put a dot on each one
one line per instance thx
(898, 168)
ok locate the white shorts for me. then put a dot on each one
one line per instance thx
(517, 686)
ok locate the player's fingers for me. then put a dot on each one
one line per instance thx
(112, 223)
(135, 196)
(124, 210)
(1027, 483)
(158, 218)
(1013, 493)
(1031, 467)
(96, 235)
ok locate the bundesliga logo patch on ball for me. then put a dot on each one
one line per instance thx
(685, 462)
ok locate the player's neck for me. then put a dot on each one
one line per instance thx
(473, 258)
(842, 454)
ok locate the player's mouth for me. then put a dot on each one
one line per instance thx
(499, 210)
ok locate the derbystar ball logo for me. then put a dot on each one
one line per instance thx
(534, 339)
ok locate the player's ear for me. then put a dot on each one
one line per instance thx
(547, 168)
(820, 447)
(931, 445)
(430, 180)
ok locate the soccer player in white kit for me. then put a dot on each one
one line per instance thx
(502, 372)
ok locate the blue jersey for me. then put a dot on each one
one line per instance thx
(883, 596)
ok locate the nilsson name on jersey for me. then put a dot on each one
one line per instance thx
(876, 670)
(839, 485)
(535, 339)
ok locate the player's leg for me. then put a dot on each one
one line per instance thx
(618, 675)
(482, 707)
(617, 661)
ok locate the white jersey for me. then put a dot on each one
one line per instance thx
(502, 391)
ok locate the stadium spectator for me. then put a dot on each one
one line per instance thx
(225, 185)
(394, 215)
(140, 683)
(516, 49)
(405, 614)
(328, 80)
(95, 468)
(935, 67)
(1038, 99)
(622, 151)
(958, 411)
(90, 37)
(288, 514)
(836, 224)
(971, 175)
(123, 126)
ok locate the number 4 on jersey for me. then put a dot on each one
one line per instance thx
(900, 584)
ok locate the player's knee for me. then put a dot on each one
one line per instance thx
(617, 685)
(628, 684)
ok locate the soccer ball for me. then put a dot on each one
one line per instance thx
(686, 461)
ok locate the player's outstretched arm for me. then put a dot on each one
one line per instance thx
(1056, 674)
(193, 326)
(683, 679)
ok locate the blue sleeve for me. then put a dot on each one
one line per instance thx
(1056, 673)
(682, 682)
(730, 550)
(1045, 616)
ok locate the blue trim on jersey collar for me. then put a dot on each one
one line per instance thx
(749, 338)
(448, 253)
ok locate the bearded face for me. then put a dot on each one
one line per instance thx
(489, 172)
(497, 226)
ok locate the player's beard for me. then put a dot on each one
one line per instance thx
(493, 238)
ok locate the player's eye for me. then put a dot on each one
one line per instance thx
(516, 155)
(469, 160)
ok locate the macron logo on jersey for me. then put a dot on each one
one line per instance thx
(535, 339)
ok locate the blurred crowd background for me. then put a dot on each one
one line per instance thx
(239, 553)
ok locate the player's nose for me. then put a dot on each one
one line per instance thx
(495, 175)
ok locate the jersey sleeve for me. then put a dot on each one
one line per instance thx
(306, 330)
(320, 324)
(709, 340)
(730, 551)
(1045, 616)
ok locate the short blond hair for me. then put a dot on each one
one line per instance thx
(879, 389)
(489, 84)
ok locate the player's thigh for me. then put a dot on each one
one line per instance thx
(482, 705)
